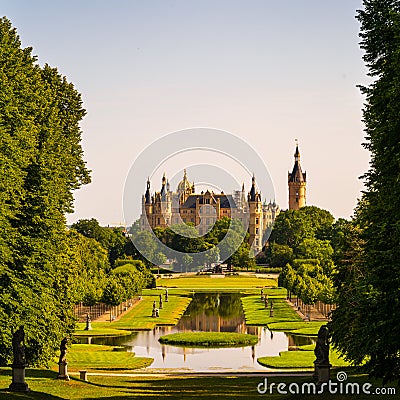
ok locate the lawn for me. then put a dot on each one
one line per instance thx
(214, 283)
(209, 339)
(256, 313)
(303, 358)
(97, 357)
(101, 329)
(139, 317)
(45, 386)
(301, 328)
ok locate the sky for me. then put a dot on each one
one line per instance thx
(266, 71)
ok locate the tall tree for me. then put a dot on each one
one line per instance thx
(374, 316)
(41, 164)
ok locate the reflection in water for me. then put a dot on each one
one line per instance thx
(214, 313)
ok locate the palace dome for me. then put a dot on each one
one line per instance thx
(184, 184)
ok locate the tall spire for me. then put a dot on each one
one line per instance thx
(147, 194)
(163, 187)
(253, 188)
(297, 175)
(297, 153)
(297, 183)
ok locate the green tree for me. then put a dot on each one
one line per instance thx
(112, 239)
(159, 259)
(41, 163)
(368, 329)
(280, 255)
(320, 250)
(187, 261)
(114, 292)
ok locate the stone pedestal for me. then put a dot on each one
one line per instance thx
(322, 373)
(63, 371)
(18, 380)
(83, 375)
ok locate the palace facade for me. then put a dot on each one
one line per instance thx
(184, 205)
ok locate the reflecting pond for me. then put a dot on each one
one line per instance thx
(208, 312)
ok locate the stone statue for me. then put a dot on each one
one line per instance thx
(155, 312)
(88, 326)
(321, 350)
(63, 351)
(18, 347)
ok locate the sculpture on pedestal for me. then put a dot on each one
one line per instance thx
(18, 367)
(62, 361)
(321, 351)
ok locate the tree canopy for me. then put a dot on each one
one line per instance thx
(366, 323)
(41, 163)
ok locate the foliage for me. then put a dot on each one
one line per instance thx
(41, 164)
(112, 239)
(281, 254)
(368, 315)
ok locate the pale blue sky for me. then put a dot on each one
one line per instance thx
(267, 71)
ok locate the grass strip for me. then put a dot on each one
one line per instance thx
(210, 282)
(209, 339)
(256, 313)
(106, 358)
(299, 359)
(99, 329)
(296, 326)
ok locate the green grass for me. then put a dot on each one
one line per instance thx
(308, 330)
(45, 386)
(297, 327)
(209, 282)
(139, 317)
(209, 339)
(256, 313)
(299, 359)
(96, 357)
(99, 330)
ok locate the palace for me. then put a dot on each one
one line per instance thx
(166, 207)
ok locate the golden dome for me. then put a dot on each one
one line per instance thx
(184, 184)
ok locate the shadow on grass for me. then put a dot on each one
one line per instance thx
(244, 387)
(4, 394)
(183, 388)
(31, 373)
